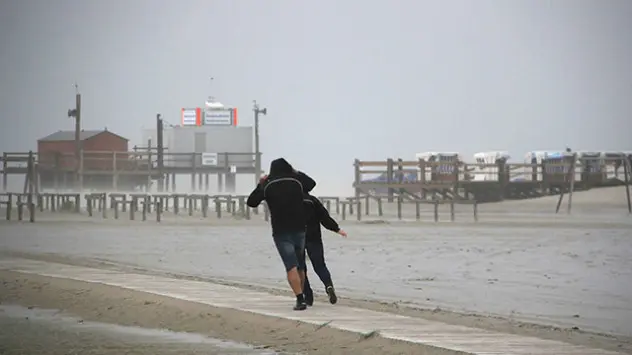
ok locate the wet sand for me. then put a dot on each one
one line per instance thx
(107, 304)
(51, 332)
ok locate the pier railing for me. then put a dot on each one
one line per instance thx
(398, 171)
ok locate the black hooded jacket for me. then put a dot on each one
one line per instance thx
(283, 191)
(317, 214)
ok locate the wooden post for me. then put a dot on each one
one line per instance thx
(205, 200)
(417, 210)
(20, 208)
(218, 207)
(571, 172)
(89, 205)
(9, 206)
(31, 172)
(400, 175)
(452, 211)
(379, 207)
(344, 211)
(475, 211)
(357, 176)
(116, 210)
(570, 177)
(104, 211)
(422, 177)
(436, 211)
(132, 210)
(389, 179)
(627, 170)
(399, 206)
(503, 177)
(160, 153)
(80, 172)
(158, 209)
(5, 164)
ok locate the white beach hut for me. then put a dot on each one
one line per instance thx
(488, 173)
(442, 171)
(550, 156)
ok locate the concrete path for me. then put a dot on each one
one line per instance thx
(467, 340)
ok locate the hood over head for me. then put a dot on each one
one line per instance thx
(280, 167)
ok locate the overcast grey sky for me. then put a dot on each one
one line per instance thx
(341, 79)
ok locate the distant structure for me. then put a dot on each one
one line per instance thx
(208, 141)
(103, 154)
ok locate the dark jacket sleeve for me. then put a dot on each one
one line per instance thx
(307, 182)
(256, 196)
(323, 216)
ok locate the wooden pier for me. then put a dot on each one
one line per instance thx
(455, 181)
(125, 171)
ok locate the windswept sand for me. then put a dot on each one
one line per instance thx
(96, 302)
(66, 293)
(520, 264)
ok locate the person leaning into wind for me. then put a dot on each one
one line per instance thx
(283, 191)
(317, 214)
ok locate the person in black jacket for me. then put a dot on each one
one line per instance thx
(283, 191)
(317, 214)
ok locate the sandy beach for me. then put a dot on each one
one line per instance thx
(31, 330)
(90, 302)
(521, 269)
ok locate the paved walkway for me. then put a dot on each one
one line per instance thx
(416, 330)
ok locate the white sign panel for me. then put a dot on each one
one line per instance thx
(209, 159)
(189, 117)
(233, 169)
(215, 117)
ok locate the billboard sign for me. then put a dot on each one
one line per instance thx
(191, 116)
(220, 116)
(209, 159)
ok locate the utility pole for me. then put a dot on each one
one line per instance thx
(160, 149)
(76, 113)
(257, 111)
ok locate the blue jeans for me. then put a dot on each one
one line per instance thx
(291, 248)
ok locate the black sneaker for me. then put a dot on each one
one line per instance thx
(309, 299)
(332, 295)
(300, 306)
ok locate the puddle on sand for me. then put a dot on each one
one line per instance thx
(53, 321)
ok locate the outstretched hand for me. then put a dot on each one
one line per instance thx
(342, 233)
(263, 178)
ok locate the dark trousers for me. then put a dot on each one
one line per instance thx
(314, 249)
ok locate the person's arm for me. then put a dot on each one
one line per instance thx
(325, 219)
(256, 196)
(307, 182)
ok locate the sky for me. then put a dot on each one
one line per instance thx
(341, 80)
